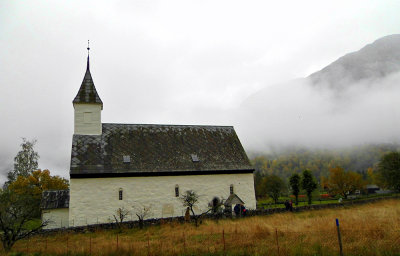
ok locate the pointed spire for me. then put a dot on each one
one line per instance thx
(87, 92)
(88, 49)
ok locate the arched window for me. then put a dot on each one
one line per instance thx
(231, 189)
(120, 192)
(176, 190)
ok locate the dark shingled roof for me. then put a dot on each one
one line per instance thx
(158, 149)
(54, 199)
(87, 93)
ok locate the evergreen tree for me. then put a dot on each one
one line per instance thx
(295, 186)
(308, 184)
(389, 169)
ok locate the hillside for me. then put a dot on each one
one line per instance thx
(286, 162)
(352, 101)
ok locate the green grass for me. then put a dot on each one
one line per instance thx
(268, 203)
(33, 224)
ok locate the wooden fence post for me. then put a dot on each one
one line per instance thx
(117, 241)
(223, 240)
(148, 244)
(277, 241)
(184, 242)
(339, 237)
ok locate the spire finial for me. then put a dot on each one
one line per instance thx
(88, 48)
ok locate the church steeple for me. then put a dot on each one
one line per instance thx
(88, 49)
(88, 106)
(87, 92)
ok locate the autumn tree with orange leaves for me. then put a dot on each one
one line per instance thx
(342, 182)
(37, 182)
(21, 195)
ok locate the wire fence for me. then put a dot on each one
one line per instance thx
(230, 241)
(247, 236)
(264, 209)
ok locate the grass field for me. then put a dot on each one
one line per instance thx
(371, 229)
(267, 203)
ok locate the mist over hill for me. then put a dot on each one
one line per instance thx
(287, 161)
(353, 101)
(373, 62)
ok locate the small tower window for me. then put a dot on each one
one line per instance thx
(176, 190)
(231, 189)
(120, 192)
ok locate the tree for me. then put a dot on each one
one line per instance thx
(343, 183)
(215, 206)
(389, 169)
(122, 213)
(17, 217)
(274, 187)
(35, 183)
(257, 182)
(142, 212)
(190, 199)
(375, 177)
(308, 184)
(295, 186)
(25, 162)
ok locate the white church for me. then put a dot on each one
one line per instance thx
(144, 165)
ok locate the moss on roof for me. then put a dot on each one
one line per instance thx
(54, 199)
(158, 148)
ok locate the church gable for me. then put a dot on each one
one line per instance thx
(157, 149)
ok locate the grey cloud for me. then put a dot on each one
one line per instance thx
(179, 62)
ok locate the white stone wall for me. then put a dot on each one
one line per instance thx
(96, 200)
(87, 119)
(58, 218)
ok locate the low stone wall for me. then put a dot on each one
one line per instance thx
(258, 212)
(113, 225)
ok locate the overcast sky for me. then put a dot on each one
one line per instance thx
(172, 62)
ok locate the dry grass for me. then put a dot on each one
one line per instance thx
(372, 229)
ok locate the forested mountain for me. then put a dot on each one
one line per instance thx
(286, 162)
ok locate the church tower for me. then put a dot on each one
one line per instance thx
(87, 107)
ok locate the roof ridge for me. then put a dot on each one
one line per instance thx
(193, 125)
